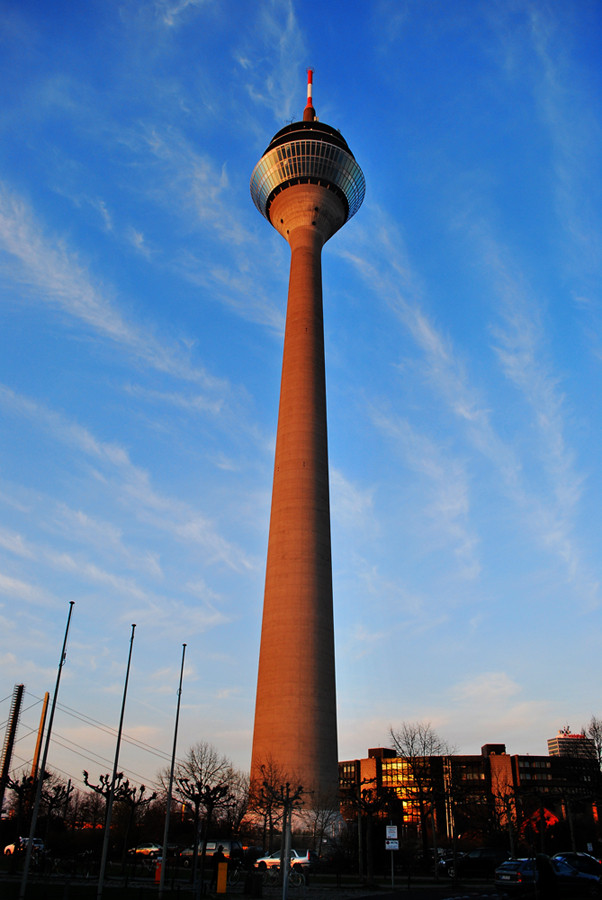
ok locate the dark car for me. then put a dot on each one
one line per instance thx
(583, 862)
(516, 876)
(573, 883)
(536, 876)
(481, 862)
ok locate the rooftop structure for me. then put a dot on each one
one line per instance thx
(567, 744)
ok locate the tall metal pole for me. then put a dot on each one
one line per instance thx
(171, 774)
(36, 805)
(285, 854)
(36, 755)
(105, 844)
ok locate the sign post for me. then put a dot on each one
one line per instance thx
(392, 844)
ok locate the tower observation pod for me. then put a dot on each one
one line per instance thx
(307, 184)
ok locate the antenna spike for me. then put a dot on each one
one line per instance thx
(309, 113)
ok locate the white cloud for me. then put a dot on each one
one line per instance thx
(22, 590)
(486, 688)
(390, 276)
(271, 56)
(130, 482)
(447, 501)
(14, 543)
(173, 13)
(53, 274)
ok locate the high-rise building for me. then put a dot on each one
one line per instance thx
(307, 184)
(567, 744)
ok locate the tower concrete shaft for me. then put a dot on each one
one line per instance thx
(306, 184)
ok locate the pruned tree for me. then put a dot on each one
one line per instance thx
(132, 798)
(103, 788)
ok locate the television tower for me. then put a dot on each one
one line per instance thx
(307, 184)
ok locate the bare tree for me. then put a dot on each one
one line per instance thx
(287, 798)
(419, 739)
(103, 788)
(369, 801)
(235, 811)
(204, 763)
(56, 797)
(132, 799)
(319, 816)
(204, 780)
(594, 732)
(263, 790)
(417, 743)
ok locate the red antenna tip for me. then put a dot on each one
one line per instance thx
(310, 75)
(309, 112)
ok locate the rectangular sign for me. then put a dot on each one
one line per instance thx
(391, 845)
(391, 832)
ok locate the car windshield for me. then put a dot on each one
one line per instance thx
(515, 865)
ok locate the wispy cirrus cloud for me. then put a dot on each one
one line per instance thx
(53, 274)
(130, 483)
(448, 496)
(486, 687)
(567, 107)
(271, 57)
(201, 184)
(521, 345)
(17, 589)
(173, 12)
(521, 350)
(15, 543)
(385, 267)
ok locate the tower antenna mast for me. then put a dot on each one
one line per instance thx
(309, 113)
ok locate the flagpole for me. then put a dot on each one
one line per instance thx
(171, 774)
(105, 844)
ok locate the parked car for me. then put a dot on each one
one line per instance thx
(230, 848)
(147, 850)
(583, 862)
(573, 883)
(21, 844)
(525, 877)
(516, 876)
(481, 862)
(306, 858)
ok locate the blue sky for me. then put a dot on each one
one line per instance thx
(142, 303)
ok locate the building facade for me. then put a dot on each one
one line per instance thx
(567, 744)
(535, 802)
